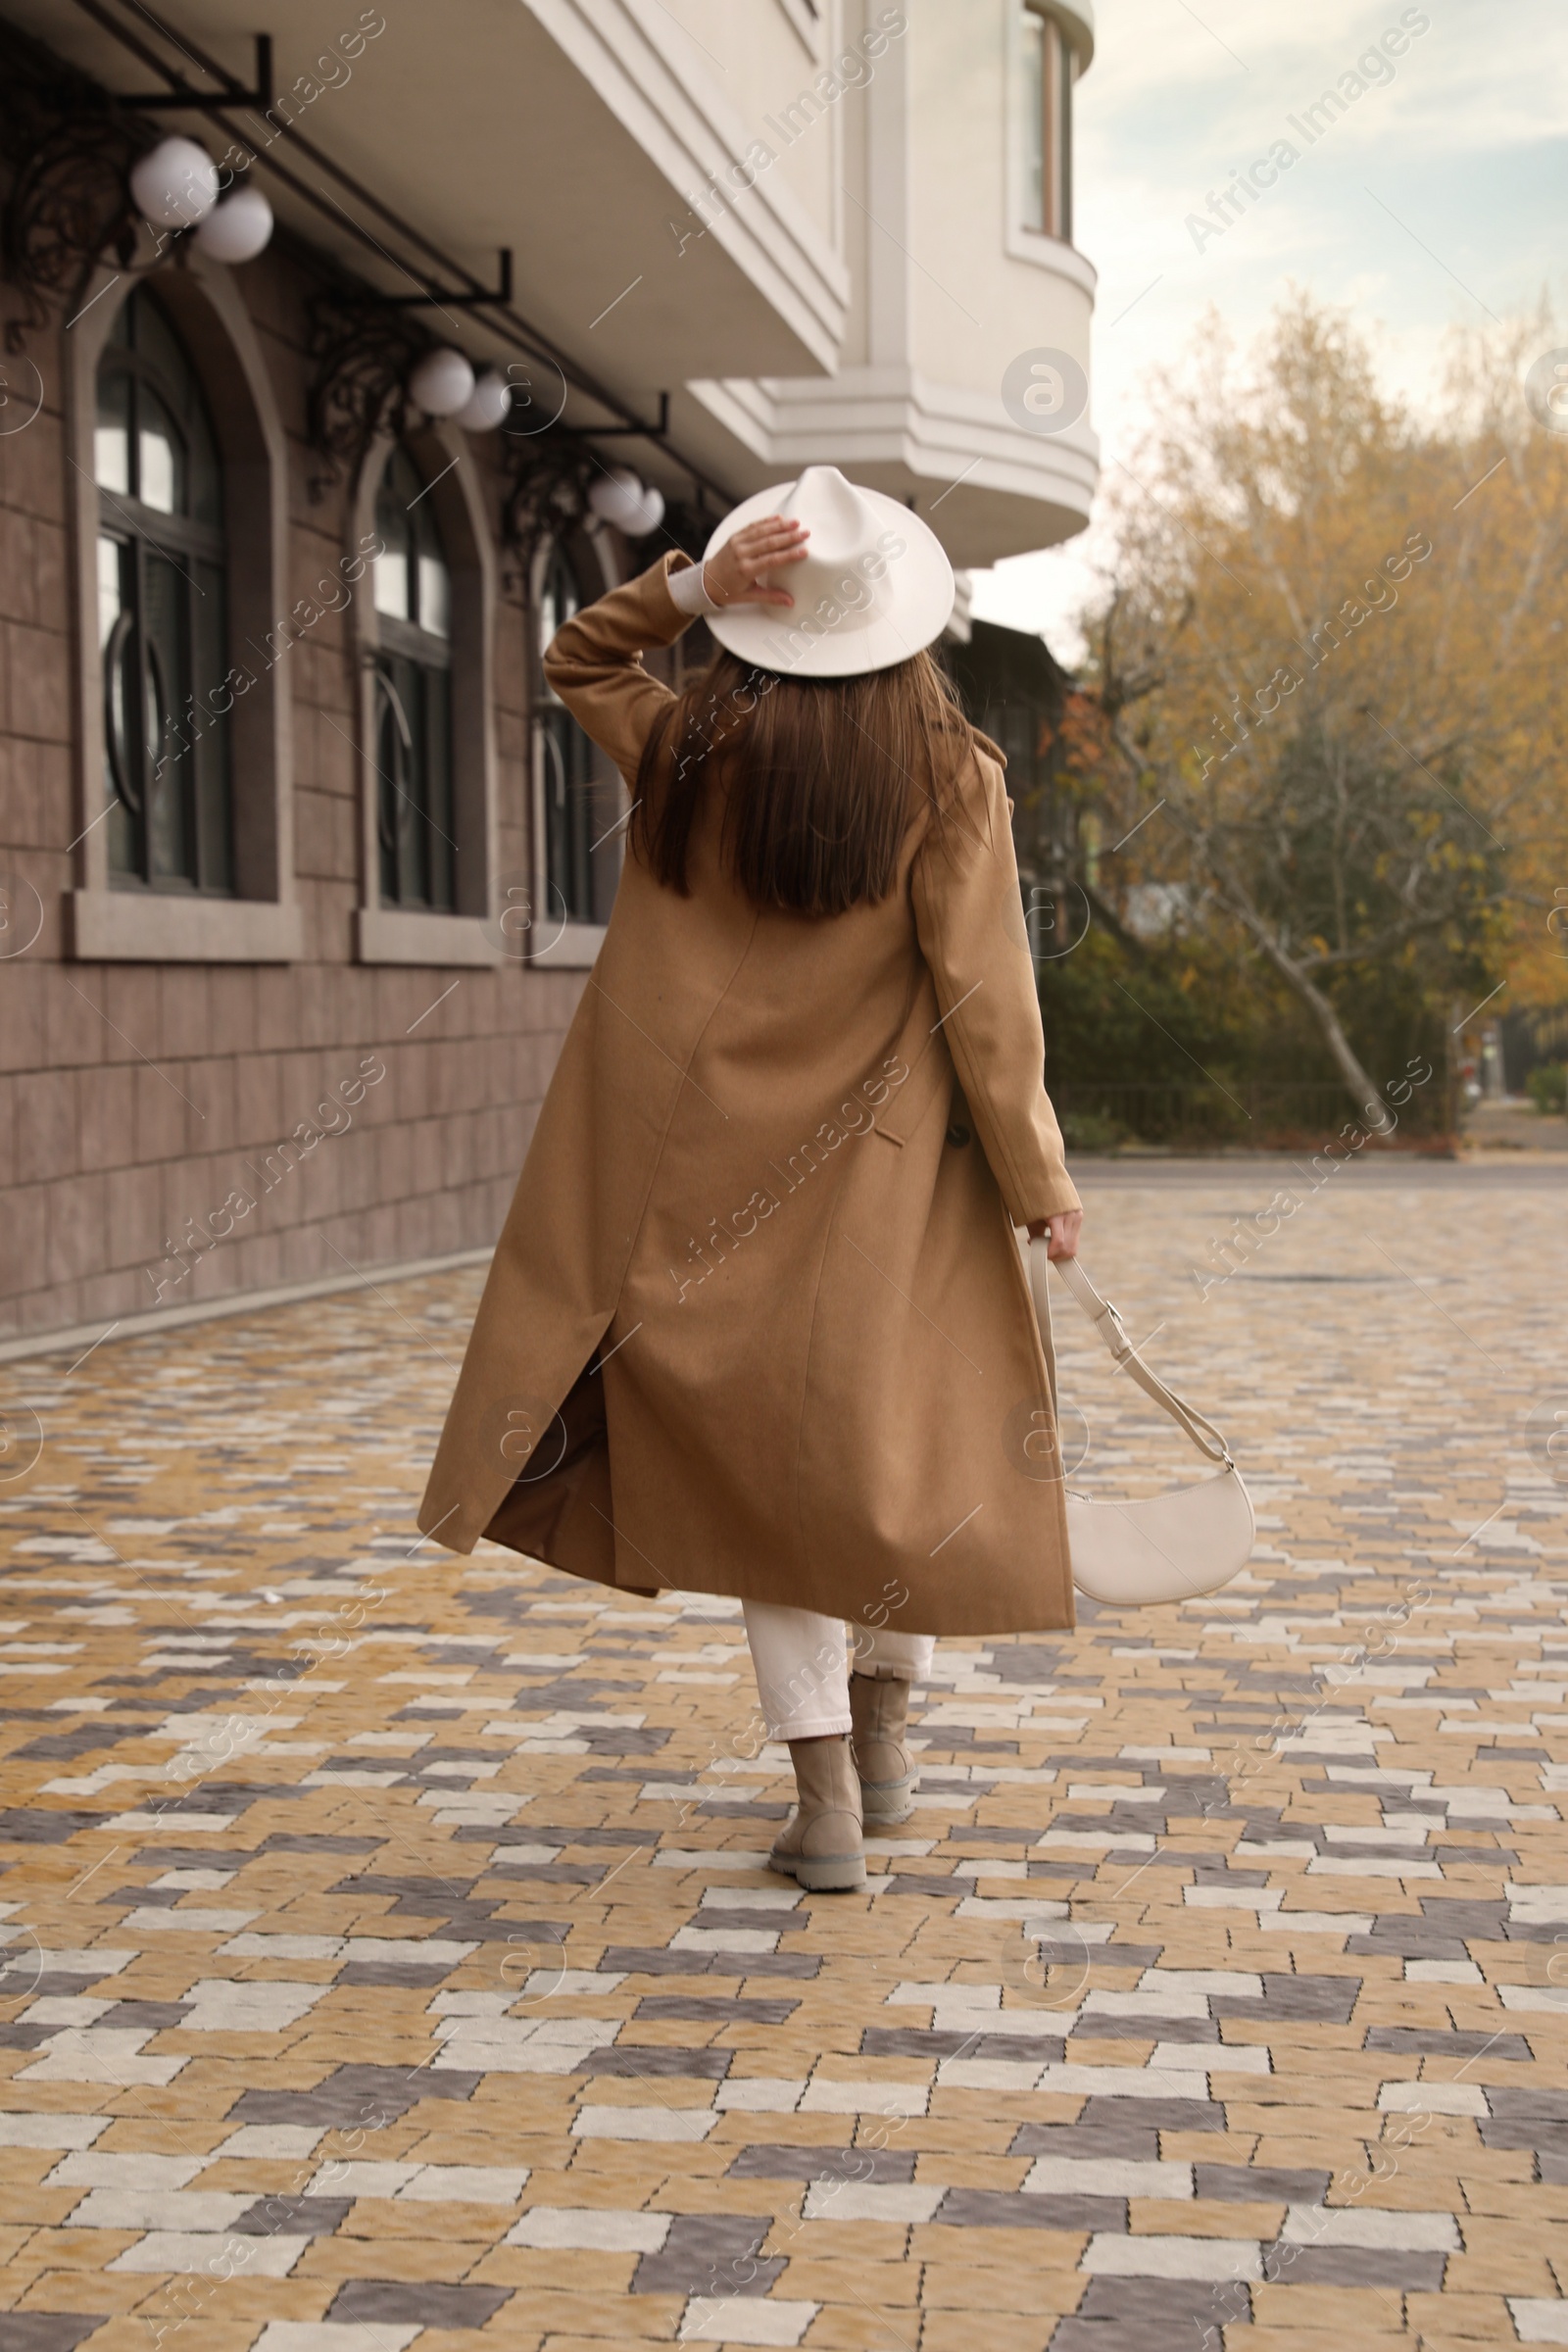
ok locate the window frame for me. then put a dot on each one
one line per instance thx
(568, 942)
(1063, 39)
(261, 921)
(1047, 125)
(409, 656)
(141, 534)
(463, 934)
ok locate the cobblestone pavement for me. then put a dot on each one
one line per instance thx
(389, 1958)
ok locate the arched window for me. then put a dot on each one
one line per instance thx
(162, 625)
(581, 862)
(413, 696)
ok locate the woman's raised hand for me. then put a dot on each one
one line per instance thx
(734, 575)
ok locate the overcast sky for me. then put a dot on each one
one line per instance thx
(1439, 195)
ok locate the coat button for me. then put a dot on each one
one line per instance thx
(958, 1135)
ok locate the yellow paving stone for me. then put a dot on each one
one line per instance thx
(853, 2328)
(1460, 2317)
(597, 2312)
(1203, 2217)
(1027, 2251)
(131, 2335)
(355, 2253)
(835, 2244)
(1324, 2310)
(62, 2287)
(388, 2220)
(552, 2270)
(1499, 2193)
(232, 2302)
(971, 2172)
(1302, 2337)
(590, 2330)
(1034, 2254)
(502, 2329)
(1005, 2331)
(1512, 2266)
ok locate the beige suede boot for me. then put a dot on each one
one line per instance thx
(879, 1707)
(821, 1847)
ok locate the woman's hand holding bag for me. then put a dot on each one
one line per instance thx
(1165, 1548)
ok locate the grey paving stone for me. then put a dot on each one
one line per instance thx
(709, 2066)
(361, 2097)
(772, 2161)
(283, 2216)
(1153, 2315)
(637, 1960)
(41, 1825)
(47, 2330)
(1392, 2269)
(533, 1833)
(413, 1975)
(61, 1746)
(1111, 2126)
(742, 1809)
(204, 1857)
(1330, 1999)
(709, 2254)
(555, 1874)
(1528, 2099)
(146, 2017)
(1143, 2028)
(1258, 2184)
(929, 2045)
(712, 2009)
(315, 1842)
(1431, 2041)
(368, 2303)
(1105, 1955)
(1003, 2209)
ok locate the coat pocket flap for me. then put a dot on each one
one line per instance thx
(929, 1073)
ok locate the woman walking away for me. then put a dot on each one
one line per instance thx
(758, 1323)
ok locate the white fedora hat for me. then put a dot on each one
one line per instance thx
(875, 586)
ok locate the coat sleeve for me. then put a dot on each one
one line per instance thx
(969, 919)
(594, 663)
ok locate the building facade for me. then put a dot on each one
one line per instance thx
(302, 870)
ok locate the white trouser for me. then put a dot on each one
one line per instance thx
(802, 1672)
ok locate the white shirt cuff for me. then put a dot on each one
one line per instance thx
(687, 593)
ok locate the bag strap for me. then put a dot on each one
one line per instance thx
(1108, 1325)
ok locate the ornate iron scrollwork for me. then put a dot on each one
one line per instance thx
(549, 475)
(363, 351)
(68, 204)
(690, 525)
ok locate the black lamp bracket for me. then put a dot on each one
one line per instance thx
(478, 300)
(209, 102)
(633, 432)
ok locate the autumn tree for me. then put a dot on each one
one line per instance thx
(1328, 669)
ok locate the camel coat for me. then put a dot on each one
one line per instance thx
(758, 1322)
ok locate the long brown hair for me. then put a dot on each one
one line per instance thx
(821, 777)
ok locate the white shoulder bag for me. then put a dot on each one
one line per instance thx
(1166, 1548)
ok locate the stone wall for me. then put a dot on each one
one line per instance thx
(137, 1097)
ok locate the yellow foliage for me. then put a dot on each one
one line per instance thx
(1299, 554)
